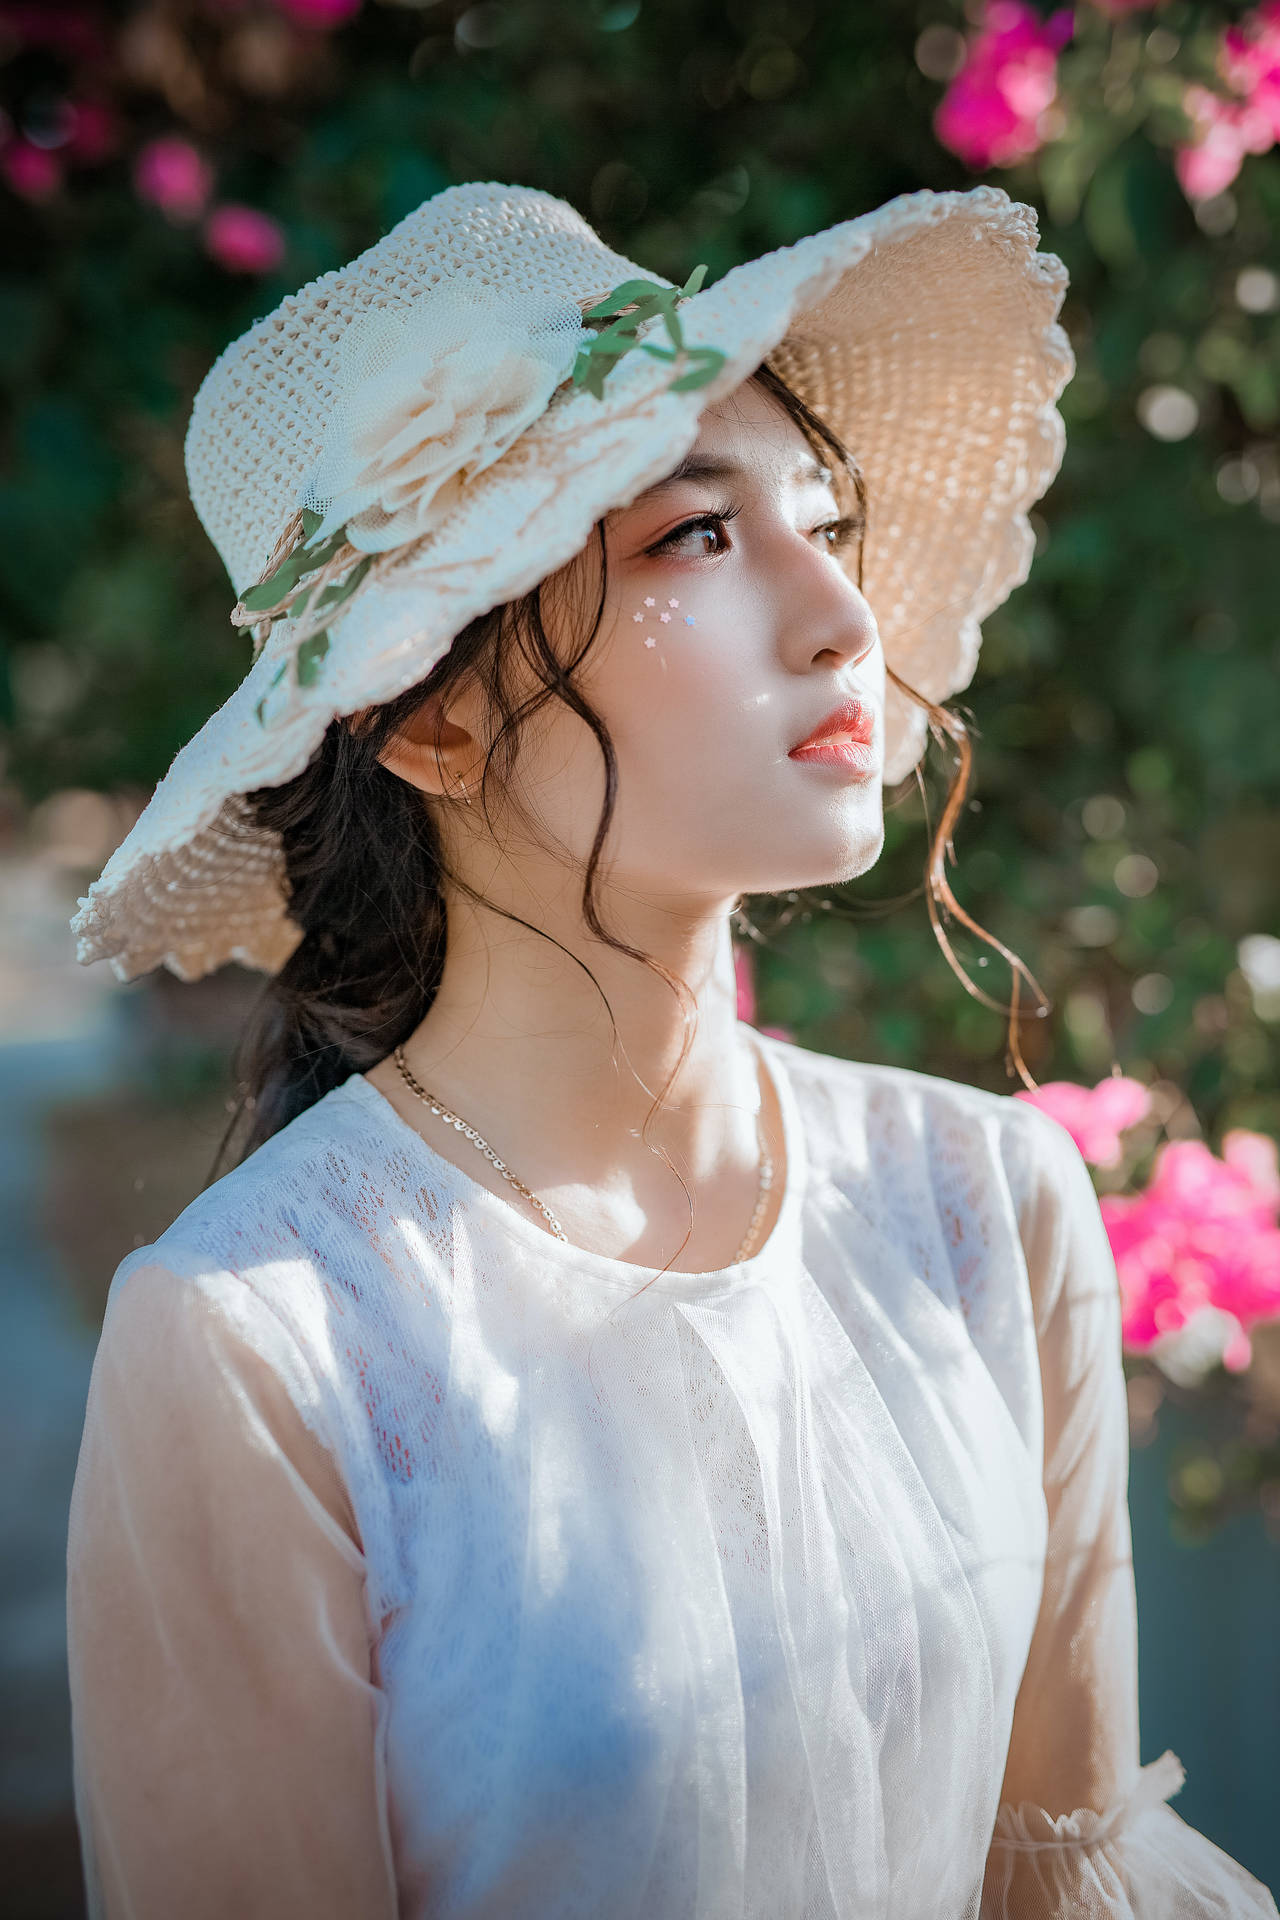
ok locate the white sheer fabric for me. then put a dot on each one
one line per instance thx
(422, 1565)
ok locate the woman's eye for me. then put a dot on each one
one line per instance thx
(706, 524)
(840, 533)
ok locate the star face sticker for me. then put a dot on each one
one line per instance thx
(637, 616)
(673, 603)
(649, 600)
(664, 616)
(649, 640)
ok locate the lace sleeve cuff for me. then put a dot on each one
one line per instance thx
(1134, 1860)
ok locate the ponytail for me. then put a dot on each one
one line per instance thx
(364, 882)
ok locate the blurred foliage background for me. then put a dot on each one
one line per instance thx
(172, 168)
(1125, 834)
(175, 166)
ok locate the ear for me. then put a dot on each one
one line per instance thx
(436, 750)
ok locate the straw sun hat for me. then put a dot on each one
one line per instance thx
(429, 431)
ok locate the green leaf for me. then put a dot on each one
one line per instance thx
(311, 522)
(316, 556)
(583, 370)
(273, 588)
(622, 296)
(592, 370)
(340, 590)
(260, 705)
(309, 656)
(615, 340)
(287, 575)
(597, 359)
(623, 330)
(699, 377)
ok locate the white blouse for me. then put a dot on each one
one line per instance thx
(424, 1565)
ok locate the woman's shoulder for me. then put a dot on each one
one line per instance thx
(303, 1213)
(871, 1108)
(898, 1140)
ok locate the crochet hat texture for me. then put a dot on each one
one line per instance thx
(409, 441)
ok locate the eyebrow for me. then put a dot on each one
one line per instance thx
(706, 467)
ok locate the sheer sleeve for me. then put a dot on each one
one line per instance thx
(226, 1724)
(1082, 1829)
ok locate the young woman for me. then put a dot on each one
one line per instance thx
(589, 1458)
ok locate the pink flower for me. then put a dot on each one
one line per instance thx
(243, 240)
(173, 176)
(1249, 59)
(33, 172)
(1256, 1159)
(992, 113)
(1203, 1234)
(1224, 130)
(1095, 1117)
(1208, 166)
(324, 14)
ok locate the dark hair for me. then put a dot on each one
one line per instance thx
(364, 861)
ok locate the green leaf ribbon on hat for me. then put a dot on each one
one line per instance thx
(645, 298)
(286, 590)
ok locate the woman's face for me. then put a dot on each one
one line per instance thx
(731, 629)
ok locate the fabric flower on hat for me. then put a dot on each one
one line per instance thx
(428, 395)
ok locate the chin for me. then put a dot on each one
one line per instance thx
(851, 854)
(843, 858)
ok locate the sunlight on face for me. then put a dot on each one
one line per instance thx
(767, 633)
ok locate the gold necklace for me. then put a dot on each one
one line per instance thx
(477, 1140)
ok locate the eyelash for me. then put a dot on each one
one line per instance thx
(846, 530)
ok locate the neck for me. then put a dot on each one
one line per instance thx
(519, 1038)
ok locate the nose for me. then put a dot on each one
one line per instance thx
(828, 619)
(850, 642)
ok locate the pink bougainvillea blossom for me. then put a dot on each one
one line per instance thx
(1095, 1117)
(173, 176)
(992, 114)
(1255, 1158)
(1224, 129)
(320, 13)
(32, 172)
(1204, 1233)
(1249, 62)
(243, 240)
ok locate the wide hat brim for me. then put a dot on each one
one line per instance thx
(925, 333)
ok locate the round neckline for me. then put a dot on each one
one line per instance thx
(604, 1267)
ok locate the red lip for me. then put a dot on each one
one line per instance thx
(850, 722)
